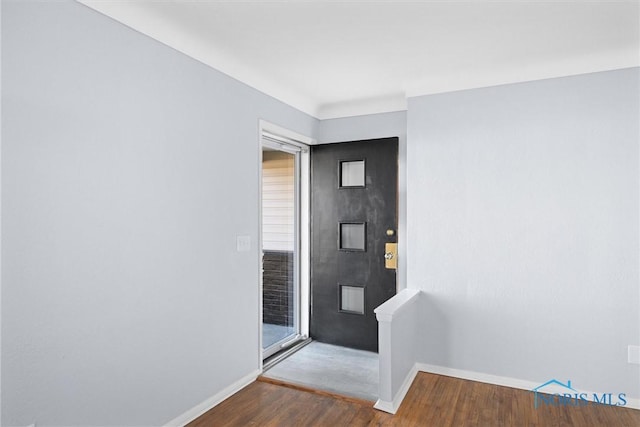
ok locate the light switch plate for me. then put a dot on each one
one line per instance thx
(634, 354)
(243, 243)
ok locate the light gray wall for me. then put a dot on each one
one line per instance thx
(128, 170)
(374, 126)
(523, 229)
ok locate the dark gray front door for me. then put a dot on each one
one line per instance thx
(353, 214)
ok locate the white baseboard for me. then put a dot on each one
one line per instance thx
(498, 380)
(477, 376)
(633, 403)
(392, 407)
(214, 400)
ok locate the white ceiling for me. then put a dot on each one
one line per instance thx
(342, 58)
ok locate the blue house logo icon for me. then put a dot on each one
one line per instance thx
(553, 382)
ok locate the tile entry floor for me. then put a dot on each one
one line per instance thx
(331, 368)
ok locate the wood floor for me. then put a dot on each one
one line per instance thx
(433, 400)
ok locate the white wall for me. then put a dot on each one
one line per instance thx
(523, 229)
(374, 126)
(128, 170)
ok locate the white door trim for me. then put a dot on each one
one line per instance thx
(303, 142)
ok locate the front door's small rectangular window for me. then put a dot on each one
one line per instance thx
(352, 299)
(353, 236)
(352, 173)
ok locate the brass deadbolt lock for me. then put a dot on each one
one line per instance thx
(391, 256)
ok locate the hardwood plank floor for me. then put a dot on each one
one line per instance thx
(433, 400)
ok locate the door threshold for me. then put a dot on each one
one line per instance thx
(317, 391)
(271, 361)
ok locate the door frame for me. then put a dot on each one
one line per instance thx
(303, 244)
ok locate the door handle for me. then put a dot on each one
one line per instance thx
(391, 256)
